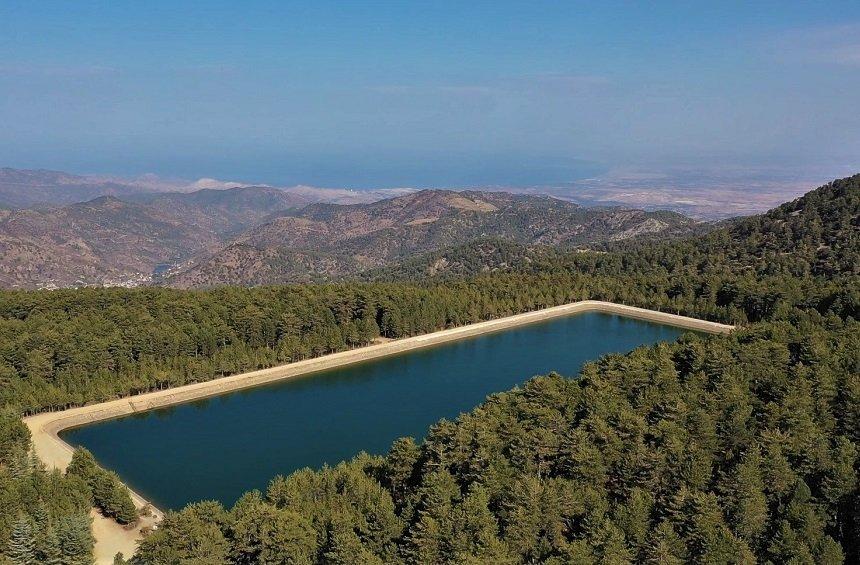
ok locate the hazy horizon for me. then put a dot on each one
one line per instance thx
(427, 95)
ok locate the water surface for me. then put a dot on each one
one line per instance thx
(221, 447)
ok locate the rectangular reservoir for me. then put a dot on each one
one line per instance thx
(220, 447)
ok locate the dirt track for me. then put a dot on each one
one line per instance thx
(111, 538)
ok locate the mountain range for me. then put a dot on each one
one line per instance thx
(253, 235)
(24, 188)
(328, 240)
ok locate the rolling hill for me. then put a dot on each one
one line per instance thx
(24, 188)
(108, 241)
(101, 242)
(323, 241)
(138, 234)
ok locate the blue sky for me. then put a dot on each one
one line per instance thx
(426, 93)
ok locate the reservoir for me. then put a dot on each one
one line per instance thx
(218, 448)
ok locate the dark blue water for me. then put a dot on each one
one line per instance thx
(221, 447)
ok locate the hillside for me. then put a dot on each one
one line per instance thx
(23, 188)
(480, 256)
(108, 241)
(818, 233)
(227, 211)
(104, 241)
(820, 229)
(328, 240)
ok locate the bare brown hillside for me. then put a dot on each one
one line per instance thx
(330, 240)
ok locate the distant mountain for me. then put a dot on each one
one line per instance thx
(330, 240)
(58, 230)
(104, 242)
(224, 211)
(21, 188)
(113, 241)
(345, 195)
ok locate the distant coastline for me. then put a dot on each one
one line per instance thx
(56, 453)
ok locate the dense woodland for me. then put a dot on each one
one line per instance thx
(44, 515)
(718, 449)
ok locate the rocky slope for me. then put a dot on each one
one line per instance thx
(327, 240)
(263, 235)
(108, 241)
(104, 241)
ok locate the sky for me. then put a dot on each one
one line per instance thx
(380, 94)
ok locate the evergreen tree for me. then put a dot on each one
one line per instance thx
(22, 543)
(48, 548)
(345, 548)
(475, 535)
(184, 537)
(76, 539)
(400, 466)
(263, 534)
(748, 503)
(665, 546)
(83, 465)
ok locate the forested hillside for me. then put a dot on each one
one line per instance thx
(477, 257)
(718, 449)
(816, 234)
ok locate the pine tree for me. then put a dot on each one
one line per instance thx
(76, 539)
(83, 465)
(400, 466)
(747, 501)
(22, 542)
(14, 434)
(665, 546)
(344, 548)
(632, 516)
(123, 507)
(48, 547)
(609, 545)
(426, 542)
(368, 329)
(475, 535)
(41, 518)
(21, 462)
